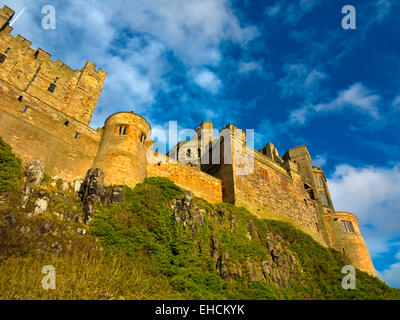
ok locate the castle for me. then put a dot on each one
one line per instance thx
(46, 108)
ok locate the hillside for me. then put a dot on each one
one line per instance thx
(156, 241)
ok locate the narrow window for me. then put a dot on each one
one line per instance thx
(7, 51)
(199, 152)
(122, 130)
(188, 153)
(55, 80)
(36, 54)
(142, 138)
(52, 87)
(25, 110)
(76, 135)
(264, 175)
(20, 98)
(3, 58)
(66, 123)
(324, 199)
(347, 226)
(344, 251)
(285, 186)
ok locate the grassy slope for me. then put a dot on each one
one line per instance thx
(143, 253)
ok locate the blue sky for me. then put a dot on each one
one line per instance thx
(285, 68)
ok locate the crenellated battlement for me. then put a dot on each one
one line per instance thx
(74, 92)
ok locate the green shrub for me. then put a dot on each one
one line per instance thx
(10, 169)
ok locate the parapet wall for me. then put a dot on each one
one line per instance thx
(201, 184)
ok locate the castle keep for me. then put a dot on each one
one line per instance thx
(46, 108)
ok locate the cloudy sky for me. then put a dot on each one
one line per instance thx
(285, 68)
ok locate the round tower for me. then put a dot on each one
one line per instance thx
(122, 150)
(345, 236)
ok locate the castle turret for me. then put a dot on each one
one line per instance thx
(345, 236)
(6, 15)
(122, 151)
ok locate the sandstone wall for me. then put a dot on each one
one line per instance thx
(270, 188)
(38, 131)
(122, 152)
(349, 243)
(201, 184)
(33, 72)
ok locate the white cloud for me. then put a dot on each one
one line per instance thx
(396, 103)
(301, 81)
(357, 97)
(391, 275)
(207, 80)
(320, 160)
(291, 11)
(373, 194)
(192, 29)
(250, 66)
(382, 9)
(274, 10)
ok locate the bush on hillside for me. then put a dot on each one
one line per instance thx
(10, 168)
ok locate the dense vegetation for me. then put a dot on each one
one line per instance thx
(137, 249)
(10, 168)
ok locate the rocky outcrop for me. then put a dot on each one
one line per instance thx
(94, 192)
(279, 265)
(35, 172)
(42, 203)
(187, 213)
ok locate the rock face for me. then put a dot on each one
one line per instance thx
(76, 185)
(42, 203)
(35, 172)
(279, 266)
(187, 213)
(93, 192)
(27, 192)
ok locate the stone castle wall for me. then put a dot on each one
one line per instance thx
(75, 93)
(37, 131)
(201, 184)
(268, 189)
